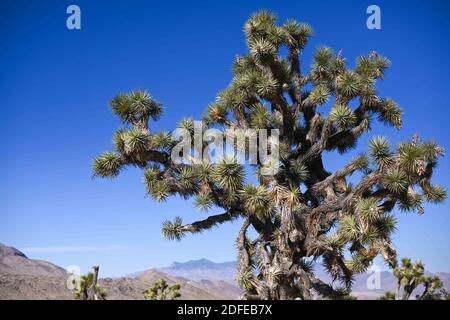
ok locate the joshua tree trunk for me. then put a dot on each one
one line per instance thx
(93, 288)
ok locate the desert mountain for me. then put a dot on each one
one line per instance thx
(13, 261)
(23, 278)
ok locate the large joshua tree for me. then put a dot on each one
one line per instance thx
(302, 213)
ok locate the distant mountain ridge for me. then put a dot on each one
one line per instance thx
(201, 263)
(203, 269)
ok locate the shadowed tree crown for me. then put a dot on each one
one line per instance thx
(303, 213)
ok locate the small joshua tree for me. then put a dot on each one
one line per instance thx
(409, 276)
(87, 287)
(302, 213)
(162, 291)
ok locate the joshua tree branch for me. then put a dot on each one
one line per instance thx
(209, 222)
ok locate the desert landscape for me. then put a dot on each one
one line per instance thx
(23, 279)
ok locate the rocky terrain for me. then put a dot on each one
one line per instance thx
(127, 288)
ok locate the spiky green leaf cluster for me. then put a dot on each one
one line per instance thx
(319, 95)
(297, 34)
(348, 84)
(245, 280)
(361, 162)
(162, 141)
(342, 116)
(380, 150)
(203, 202)
(136, 105)
(369, 209)
(107, 165)
(136, 140)
(229, 175)
(349, 228)
(323, 56)
(260, 117)
(395, 181)
(255, 199)
(372, 66)
(159, 190)
(173, 230)
(391, 114)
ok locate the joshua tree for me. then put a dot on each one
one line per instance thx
(302, 213)
(87, 287)
(410, 276)
(161, 291)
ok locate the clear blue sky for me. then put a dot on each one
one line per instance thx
(55, 85)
